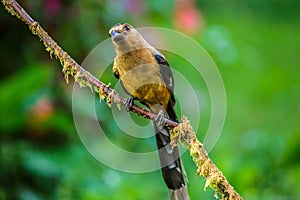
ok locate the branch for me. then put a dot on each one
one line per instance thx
(182, 132)
(185, 135)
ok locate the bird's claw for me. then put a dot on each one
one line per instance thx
(159, 120)
(128, 104)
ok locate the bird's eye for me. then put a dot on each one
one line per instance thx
(127, 27)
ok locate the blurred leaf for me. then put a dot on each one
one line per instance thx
(19, 91)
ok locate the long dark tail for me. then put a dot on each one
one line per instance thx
(172, 169)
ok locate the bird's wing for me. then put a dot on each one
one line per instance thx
(165, 71)
(167, 77)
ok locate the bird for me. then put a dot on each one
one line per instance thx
(146, 76)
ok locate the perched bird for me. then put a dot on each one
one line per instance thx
(146, 75)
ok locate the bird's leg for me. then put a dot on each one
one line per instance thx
(129, 103)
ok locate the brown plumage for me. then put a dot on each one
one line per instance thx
(145, 75)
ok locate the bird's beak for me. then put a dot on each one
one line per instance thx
(113, 33)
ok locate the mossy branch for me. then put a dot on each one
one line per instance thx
(182, 133)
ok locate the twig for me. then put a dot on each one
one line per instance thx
(182, 132)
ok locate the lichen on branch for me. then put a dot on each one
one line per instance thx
(215, 179)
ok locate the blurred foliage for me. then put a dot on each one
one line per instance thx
(256, 47)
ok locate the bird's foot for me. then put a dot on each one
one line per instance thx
(129, 103)
(159, 120)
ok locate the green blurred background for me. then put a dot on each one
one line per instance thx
(256, 46)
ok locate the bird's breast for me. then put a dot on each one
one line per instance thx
(141, 78)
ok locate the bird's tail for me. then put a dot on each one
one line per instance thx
(172, 169)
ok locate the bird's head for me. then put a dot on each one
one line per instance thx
(120, 30)
(126, 38)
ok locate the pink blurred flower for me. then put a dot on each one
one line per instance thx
(187, 17)
(135, 6)
(52, 7)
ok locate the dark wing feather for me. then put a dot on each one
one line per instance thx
(165, 71)
(167, 77)
(116, 74)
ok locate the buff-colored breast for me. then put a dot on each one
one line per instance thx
(140, 76)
